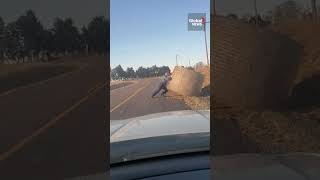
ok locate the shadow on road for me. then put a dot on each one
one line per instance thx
(306, 94)
(228, 138)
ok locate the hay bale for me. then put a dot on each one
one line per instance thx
(186, 82)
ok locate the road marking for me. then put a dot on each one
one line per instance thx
(48, 125)
(128, 98)
(8, 92)
(91, 89)
(40, 82)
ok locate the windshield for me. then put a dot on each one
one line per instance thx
(160, 73)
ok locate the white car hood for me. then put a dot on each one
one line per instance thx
(160, 124)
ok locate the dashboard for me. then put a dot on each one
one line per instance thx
(189, 166)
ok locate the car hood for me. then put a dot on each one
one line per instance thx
(160, 124)
(158, 135)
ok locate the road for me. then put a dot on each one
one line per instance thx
(135, 100)
(56, 129)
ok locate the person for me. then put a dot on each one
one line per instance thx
(163, 85)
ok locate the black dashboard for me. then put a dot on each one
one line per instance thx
(189, 166)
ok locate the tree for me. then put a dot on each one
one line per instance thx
(141, 72)
(130, 72)
(286, 11)
(31, 31)
(2, 26)
(13, 42)
(118, 73)
(98, 35)
(85, 40)
(163, 70)
(67, 38)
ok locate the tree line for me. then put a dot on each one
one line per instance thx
(27, 39)
(284, 12)
(119, 73)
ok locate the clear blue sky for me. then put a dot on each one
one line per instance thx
(152, 32)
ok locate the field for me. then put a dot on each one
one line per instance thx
(18, 75)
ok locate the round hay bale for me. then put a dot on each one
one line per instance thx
(186, 82)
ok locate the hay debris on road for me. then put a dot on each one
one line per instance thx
(279, 132)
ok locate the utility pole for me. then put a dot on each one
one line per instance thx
(205, 37)
(176, 59)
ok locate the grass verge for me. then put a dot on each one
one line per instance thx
(18, 75)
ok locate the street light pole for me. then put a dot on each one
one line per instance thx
(176, 59)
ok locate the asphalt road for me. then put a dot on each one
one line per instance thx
(135, 100)
(56, 129)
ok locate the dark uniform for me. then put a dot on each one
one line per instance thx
(162, 86)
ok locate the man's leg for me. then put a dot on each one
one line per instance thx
(165, 90)
(157, 91)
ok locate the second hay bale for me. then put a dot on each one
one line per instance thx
(186, 82)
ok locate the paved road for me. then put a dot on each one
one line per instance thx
(135, 100)
(56, 129)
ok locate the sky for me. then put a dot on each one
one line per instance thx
(47, 10)
(153, 32)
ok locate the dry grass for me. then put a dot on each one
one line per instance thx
(278, 132)
(17, 75)
(202, 102)
(197, 103)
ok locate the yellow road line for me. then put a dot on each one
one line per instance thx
(91, 89)
(8, 92)
(48, 125)
(128, 98)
